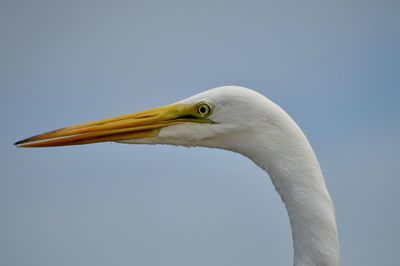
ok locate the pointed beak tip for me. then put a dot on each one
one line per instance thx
(21, 143)
(18, 143)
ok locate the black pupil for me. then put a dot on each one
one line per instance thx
(202, 109)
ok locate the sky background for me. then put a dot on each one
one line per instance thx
(334, 66)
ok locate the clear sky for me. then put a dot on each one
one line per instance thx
(334, 66)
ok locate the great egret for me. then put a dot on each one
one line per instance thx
(239, 120)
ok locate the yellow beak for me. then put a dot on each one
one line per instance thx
(146, 124)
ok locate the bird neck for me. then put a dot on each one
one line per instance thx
(310, 210)
(296, 174)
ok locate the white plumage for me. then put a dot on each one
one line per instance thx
(250, 124)
(243, 121)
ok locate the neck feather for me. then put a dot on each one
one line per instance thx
(302, 188)
(286, 155)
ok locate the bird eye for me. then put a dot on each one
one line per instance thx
(203, 109)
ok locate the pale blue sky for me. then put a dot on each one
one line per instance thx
(333, 65)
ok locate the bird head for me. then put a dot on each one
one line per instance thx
(211, 119)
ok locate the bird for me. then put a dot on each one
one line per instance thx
(239, 120)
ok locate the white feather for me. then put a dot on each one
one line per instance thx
(250, 124)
